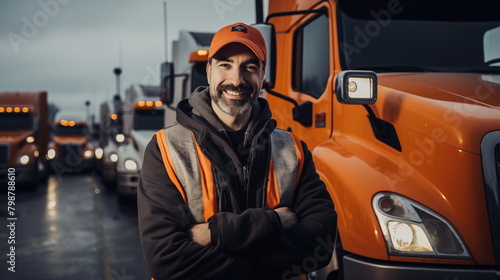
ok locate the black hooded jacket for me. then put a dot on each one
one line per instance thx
(247, 240)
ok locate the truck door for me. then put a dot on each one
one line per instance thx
(310, 77)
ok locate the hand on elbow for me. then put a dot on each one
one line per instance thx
(200, 233)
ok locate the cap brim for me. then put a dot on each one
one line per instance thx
(245, 41)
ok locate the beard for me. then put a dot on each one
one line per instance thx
(235, 107)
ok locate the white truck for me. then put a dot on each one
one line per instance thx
(110, 140)
(187, 71)
(143, 115)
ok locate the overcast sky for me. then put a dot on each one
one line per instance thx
(70, 47)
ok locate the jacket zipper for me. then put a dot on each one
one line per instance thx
(245, 174)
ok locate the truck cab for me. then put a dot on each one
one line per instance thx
(399, 102)
(186, 72)
(111, 138)
(70, 150)
(23, 137)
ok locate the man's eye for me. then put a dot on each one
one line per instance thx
(224, 65)
(251, 68)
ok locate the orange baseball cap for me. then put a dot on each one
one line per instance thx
(239, 33)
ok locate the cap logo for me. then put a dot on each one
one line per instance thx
(239, 28)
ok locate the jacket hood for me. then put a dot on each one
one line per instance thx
(196, 114)
(463, 107)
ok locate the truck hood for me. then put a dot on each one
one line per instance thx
(70, 139)
(142, 138)
(14, 136)
(462, 107)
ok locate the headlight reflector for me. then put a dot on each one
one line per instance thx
(113, 157)
(130, 165)
(87, 154)
(51, 154)
(99, 152)
(120, 138)
(413, 229)
(24, 159)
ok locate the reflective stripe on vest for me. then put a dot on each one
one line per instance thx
(191, 171)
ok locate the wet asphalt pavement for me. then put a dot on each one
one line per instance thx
(73, 227)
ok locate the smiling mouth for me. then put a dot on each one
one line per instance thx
(234, 93)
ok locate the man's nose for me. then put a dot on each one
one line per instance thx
(236, 77)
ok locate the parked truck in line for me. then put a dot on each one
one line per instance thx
(70, 149)
(111, 139)
(186, 72)
(399, 102)
(143, 115)
(24, 134)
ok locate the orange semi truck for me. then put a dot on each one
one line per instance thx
(23, 137)
(70, 150)
(399, 102)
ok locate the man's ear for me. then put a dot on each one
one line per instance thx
(263, 74)
(209, 71)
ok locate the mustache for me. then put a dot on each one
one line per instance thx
(242, 89)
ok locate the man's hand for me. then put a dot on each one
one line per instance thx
(200, 233)
(287, 217)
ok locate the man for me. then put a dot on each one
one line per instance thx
(225, 195)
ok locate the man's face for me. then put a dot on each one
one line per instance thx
(235, 77)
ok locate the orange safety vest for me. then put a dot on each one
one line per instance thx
(191, 171)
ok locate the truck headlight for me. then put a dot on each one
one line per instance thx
(113, 157)
(412, 229)
(87, 154)
(51, 154)
(30, 139)
(99, 152)
(120, 138)
(23, 159)
(131, 165)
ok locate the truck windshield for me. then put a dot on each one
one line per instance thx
(16, 121)
(420, 35)
(77, 130)
(148, 119)
(199, 75)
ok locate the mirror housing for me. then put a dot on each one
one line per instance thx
(303, 113)
(167, 83)
(356, 87)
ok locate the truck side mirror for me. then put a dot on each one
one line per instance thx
(356, 87)
(167, 83)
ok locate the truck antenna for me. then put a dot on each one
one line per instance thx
(165, 29)
(259, 11)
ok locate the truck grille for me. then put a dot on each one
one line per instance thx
(70, 154)
(4, 154)
(490, 154)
